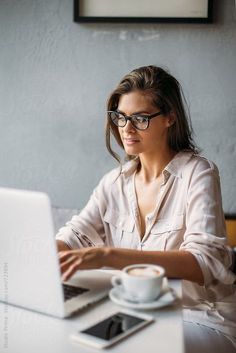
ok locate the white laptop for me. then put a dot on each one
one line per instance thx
(29, 260)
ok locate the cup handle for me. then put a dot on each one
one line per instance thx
(116, 281)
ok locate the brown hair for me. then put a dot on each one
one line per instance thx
(166, 94)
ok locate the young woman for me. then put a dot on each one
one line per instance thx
(163, 207)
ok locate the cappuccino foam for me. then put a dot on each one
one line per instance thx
(143, 272)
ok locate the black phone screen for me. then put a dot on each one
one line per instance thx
(113, 326)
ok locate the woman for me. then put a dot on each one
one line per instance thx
(163, 207)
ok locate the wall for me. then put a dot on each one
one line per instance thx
(55, 76)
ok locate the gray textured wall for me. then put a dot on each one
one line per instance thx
(55, 76)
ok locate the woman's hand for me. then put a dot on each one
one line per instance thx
(85, 258)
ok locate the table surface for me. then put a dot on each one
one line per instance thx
(27, 331)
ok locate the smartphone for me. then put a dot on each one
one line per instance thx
(112, 329)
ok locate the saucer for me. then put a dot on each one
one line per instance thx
(167, 297)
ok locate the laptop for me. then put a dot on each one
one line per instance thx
(29, 260)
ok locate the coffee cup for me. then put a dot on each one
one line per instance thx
(140, 283)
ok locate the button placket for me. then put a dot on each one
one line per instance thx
(155, 213)
(142, 245)
(133, 203)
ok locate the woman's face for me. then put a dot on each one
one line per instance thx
(148, 141)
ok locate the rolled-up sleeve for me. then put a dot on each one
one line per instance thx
(85, 229)
(205, 227)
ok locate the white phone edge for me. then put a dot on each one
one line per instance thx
(99, 343)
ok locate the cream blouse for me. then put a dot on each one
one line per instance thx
(188, 216)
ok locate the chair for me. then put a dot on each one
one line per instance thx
(230, 221)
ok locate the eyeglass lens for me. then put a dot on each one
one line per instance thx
(139, 122)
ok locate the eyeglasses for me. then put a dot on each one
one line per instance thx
(139, 121)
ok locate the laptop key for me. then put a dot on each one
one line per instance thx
(72, 291)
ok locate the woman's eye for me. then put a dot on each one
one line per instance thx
(140, 119)
(121, 117)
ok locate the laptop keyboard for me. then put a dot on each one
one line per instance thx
(72, 291)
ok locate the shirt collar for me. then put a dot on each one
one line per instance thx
(129, 167)
(174, 167)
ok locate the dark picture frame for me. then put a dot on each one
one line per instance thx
(195, 11)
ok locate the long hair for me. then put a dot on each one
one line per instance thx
(167, 95)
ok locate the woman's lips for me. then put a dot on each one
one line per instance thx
(130, 141)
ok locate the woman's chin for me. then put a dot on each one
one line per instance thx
(132, 150)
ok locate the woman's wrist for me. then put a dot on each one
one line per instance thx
(108, 257)
(119, 258)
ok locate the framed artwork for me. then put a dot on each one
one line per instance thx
(182, 11)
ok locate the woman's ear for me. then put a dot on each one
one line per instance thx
(171, 118)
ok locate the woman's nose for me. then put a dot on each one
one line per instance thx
(129, 127)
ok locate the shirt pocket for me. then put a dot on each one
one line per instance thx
(121, 227)
(167, 233)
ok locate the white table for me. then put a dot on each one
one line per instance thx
(26, 331)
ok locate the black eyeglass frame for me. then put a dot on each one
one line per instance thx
(147, 117)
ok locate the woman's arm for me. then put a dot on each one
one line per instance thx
(205, 233)
(85, 229)
(178, 264)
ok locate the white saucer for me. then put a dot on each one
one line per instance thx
(167, 297)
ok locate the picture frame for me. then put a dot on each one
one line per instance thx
(190, 11)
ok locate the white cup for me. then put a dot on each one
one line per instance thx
(141, 283)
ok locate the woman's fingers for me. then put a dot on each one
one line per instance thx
(67, 262)
(64, 255)
(71, 270)
(72, 260)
